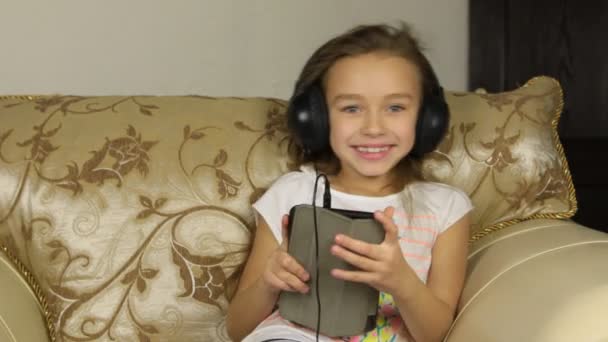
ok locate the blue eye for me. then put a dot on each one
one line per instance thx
(350, 109)
(396, 108)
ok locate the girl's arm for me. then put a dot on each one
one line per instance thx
(427, 310)
(268, 271)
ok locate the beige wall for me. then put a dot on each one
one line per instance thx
(209, 47)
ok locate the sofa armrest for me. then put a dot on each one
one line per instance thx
(21, 316)
(539, 280)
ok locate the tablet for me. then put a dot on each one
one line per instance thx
(347, 308)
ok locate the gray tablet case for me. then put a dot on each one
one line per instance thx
(347, 308)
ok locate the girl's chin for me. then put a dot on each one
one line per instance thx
(374, 172)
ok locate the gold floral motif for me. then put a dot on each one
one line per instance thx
(227, 186)
(207, 278)
(497, 100)
(493, 157)
(276, 123)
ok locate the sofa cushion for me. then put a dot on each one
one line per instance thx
(133, 212)
(503, 149)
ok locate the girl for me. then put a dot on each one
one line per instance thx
(383, 110)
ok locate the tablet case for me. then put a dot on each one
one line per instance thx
(347, 308)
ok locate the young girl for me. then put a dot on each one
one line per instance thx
(381, 103)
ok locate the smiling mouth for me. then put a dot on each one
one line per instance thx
(374, 149)
(373, 153)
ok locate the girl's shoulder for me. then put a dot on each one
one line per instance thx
(296, 179)
(439, 191)
(445, 202)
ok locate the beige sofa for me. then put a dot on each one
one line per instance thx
(128, 218)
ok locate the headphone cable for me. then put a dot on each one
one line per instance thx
(326, 204)
(314, 214)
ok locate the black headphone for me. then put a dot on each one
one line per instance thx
(308, 120)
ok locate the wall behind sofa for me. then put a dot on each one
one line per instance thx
(212, 47)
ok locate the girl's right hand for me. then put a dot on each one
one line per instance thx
(283, 272)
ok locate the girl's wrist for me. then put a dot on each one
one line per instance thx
(266, 289)
(406, 294)
(409, 286)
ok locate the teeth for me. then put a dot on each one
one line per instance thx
(372, 149)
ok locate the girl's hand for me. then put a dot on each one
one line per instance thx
(381, 266)
(282, 271)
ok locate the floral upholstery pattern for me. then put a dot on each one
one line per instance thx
(133, 213)
(504, 151)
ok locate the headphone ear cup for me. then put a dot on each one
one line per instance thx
(432, 125)
(308, 120)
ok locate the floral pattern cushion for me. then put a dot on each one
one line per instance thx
(504, 151)
(133, 212)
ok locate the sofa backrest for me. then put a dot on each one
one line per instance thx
(133, 212)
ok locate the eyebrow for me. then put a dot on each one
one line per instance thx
(345, 97)
(357, 97)
(400, 95)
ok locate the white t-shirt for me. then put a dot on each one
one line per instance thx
(434, 207)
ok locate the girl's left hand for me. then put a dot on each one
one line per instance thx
(381, 266)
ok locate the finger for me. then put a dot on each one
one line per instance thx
(386, 219)
(389, 211)
(278, 284)
(355, 276)
(285, 231)
(291, 265)
(356, 260)
(360, 247)
(293, 281)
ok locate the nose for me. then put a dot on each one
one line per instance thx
(373, 124)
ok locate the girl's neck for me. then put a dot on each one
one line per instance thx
(365, 186)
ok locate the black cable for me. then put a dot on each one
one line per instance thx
(326, 194)
(326, 204)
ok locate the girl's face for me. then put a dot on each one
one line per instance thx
(373, 101)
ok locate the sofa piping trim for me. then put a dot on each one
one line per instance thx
(512, 234)
(25, 273)
(20, 97)
(562, 157)
(33, 283)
